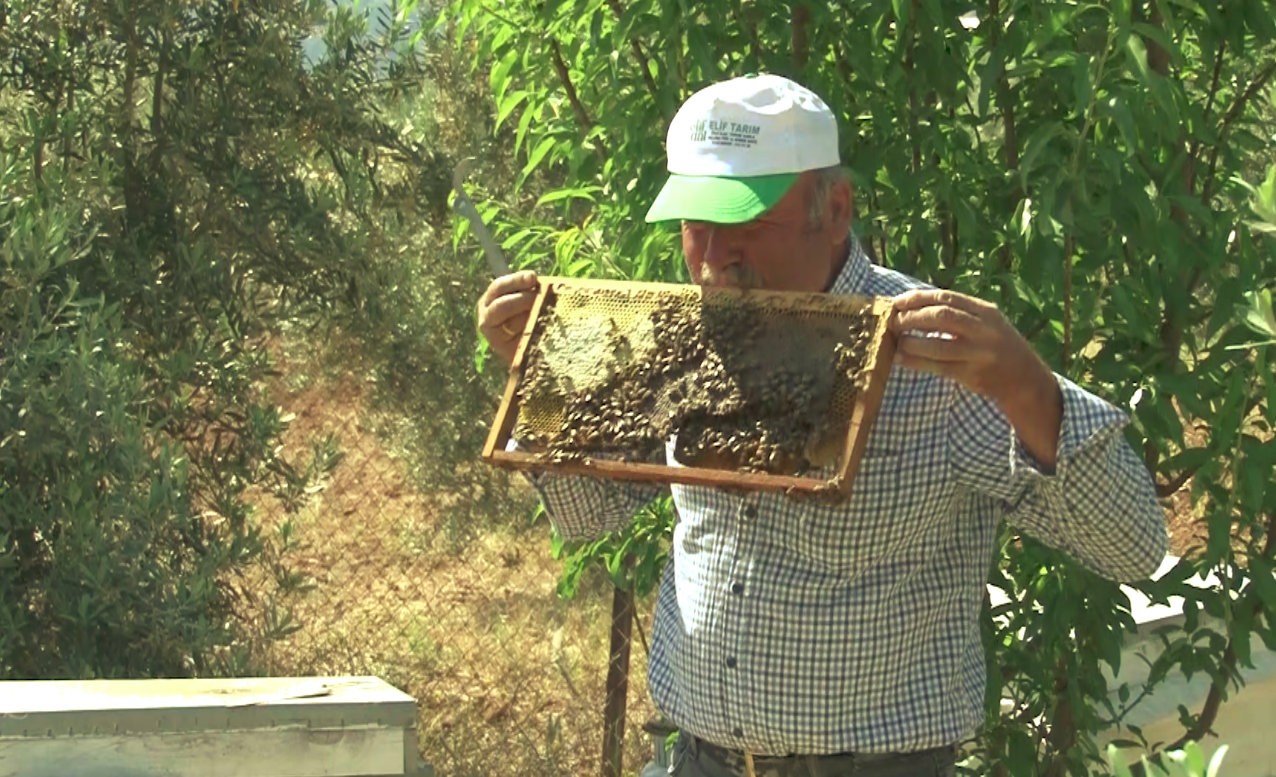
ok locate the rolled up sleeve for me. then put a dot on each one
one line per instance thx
(1099, 504)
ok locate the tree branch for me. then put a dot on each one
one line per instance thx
(622, 621)
(951, 245)
(1171, 486)
(750, 23)
(1063, 724)
(1195, 149)
(800, 20)
(1069, 246)
(1158, 57)
(914, 141)
(908, 40)
(643, 64)
(1011, 142)
(1233, 113)
(1214, 699)
(157, 94)
(844, 68)
(565, 77)
(1170, 333)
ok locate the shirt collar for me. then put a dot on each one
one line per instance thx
(855, 270)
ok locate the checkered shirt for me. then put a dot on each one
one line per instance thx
(784, 626)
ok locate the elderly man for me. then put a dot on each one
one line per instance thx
(800, 638)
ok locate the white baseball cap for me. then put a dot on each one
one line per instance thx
(736, 147)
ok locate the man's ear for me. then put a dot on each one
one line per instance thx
(841, 205)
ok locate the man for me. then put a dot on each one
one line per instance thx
(794, 638)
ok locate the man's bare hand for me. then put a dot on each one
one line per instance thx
(503, 310)
(971, 342)
(963, 338)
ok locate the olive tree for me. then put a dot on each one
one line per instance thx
(181, 185)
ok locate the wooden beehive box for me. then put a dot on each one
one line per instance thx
(752, 389)
(244, 727)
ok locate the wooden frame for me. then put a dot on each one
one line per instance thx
(863, 414)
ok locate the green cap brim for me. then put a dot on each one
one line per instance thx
(720, 200)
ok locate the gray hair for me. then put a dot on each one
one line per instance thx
(818, 199)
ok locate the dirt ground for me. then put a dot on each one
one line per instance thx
(508, 675)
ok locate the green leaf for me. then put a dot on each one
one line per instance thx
(1082, 88)
(623, 31)
(1122, 12)
(1117, 762)
(578, 193)
(1264, 582)
(1138, 55)
(524, 127)
(901, 9)
(506, 106)
(1023, 752)
(499, 77)
(1035, 146)
(1259, 315)
(1194, 758)
(1216, 761)
(1119, 110)
(1263, 198)
(1160, 37)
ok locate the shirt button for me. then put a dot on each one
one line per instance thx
(737, 588)
(750, 511)
(731, 663)
(737, 732)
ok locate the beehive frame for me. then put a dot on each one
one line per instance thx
(834, 481)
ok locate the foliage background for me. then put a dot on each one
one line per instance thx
(184, 192)
(205, 214)
(1085, 165)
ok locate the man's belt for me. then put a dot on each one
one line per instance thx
(931, 761)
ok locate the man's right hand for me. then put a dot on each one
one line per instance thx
(503, 310)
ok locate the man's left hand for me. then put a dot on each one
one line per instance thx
(971, 342)
(963, 338)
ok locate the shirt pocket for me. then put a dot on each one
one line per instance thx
(884, 518)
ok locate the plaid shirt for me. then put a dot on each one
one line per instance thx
(784, 626)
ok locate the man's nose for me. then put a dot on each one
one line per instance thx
(722, 245)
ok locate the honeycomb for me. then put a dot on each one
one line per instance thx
(766, 386)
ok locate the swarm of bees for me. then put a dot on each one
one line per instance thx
(732, 386)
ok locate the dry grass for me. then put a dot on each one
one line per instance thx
(1184, 516)
(508, 676)
(1185, 511)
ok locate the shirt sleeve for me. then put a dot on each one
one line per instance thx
(1099, 504)
(583, 507)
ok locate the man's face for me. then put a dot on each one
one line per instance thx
(785, 249)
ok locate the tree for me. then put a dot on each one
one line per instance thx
(1082, 164)
(180, 186)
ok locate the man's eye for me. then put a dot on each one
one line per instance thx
(700, 229)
